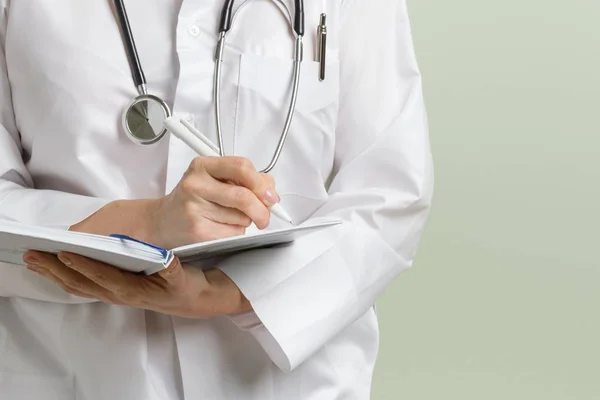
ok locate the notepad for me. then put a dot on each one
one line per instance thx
(132, 255)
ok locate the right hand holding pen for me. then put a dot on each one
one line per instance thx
(217, 197)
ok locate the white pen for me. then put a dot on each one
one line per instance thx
(204, 147)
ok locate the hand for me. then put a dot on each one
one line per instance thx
(217, 197)
(180, 291)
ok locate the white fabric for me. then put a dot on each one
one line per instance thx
(358, 150)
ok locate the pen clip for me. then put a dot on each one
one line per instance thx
(322, 46)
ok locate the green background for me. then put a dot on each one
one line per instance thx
(503, 301)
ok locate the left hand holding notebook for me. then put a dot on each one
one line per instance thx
(121, 270)
(177, 290)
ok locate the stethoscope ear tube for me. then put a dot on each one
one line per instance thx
(132, 55)
(299, 17)
(226, 16)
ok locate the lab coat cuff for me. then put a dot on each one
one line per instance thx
(283, 285)
(306, 293)
(249, 270)
(250, 322)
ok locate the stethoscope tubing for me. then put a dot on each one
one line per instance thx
(139, 79)
(225, 24)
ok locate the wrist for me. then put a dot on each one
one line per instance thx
(225, 294)
(135, 218)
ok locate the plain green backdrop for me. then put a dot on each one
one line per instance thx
(503, 302)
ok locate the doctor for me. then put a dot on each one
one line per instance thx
(295, 322)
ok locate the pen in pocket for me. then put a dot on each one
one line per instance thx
(322, 46)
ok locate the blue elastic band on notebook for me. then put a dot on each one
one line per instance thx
(162, 251)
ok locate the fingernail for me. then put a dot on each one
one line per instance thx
(65, 260)
(31, 260)
(271, 197)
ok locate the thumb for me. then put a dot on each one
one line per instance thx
(173, 271)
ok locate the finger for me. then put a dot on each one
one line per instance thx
(48, 275)
(211, 230)
(269, 180)
(236, 197)
(74, 282)
(226, 215)
(173, 271)
(271, 194)
(111, 279)
(240, 171)
(69, 277)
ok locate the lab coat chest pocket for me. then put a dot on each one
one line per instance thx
(264, 93)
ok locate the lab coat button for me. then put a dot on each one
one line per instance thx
(194, 31)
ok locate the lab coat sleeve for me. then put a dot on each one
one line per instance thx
(305, 294)
(20, 201)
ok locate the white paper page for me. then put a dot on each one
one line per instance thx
(251, 240)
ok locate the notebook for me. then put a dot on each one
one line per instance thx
(135, 256)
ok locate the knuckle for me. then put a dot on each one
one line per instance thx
(243, 165)
(73, 283)
(188, 185)
(197, 164)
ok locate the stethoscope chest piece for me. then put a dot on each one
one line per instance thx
(143, 120)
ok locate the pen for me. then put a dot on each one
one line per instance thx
(322, 46)
(203, 146)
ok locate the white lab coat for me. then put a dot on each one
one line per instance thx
(358, 150)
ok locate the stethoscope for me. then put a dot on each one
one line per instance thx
(143, 120)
